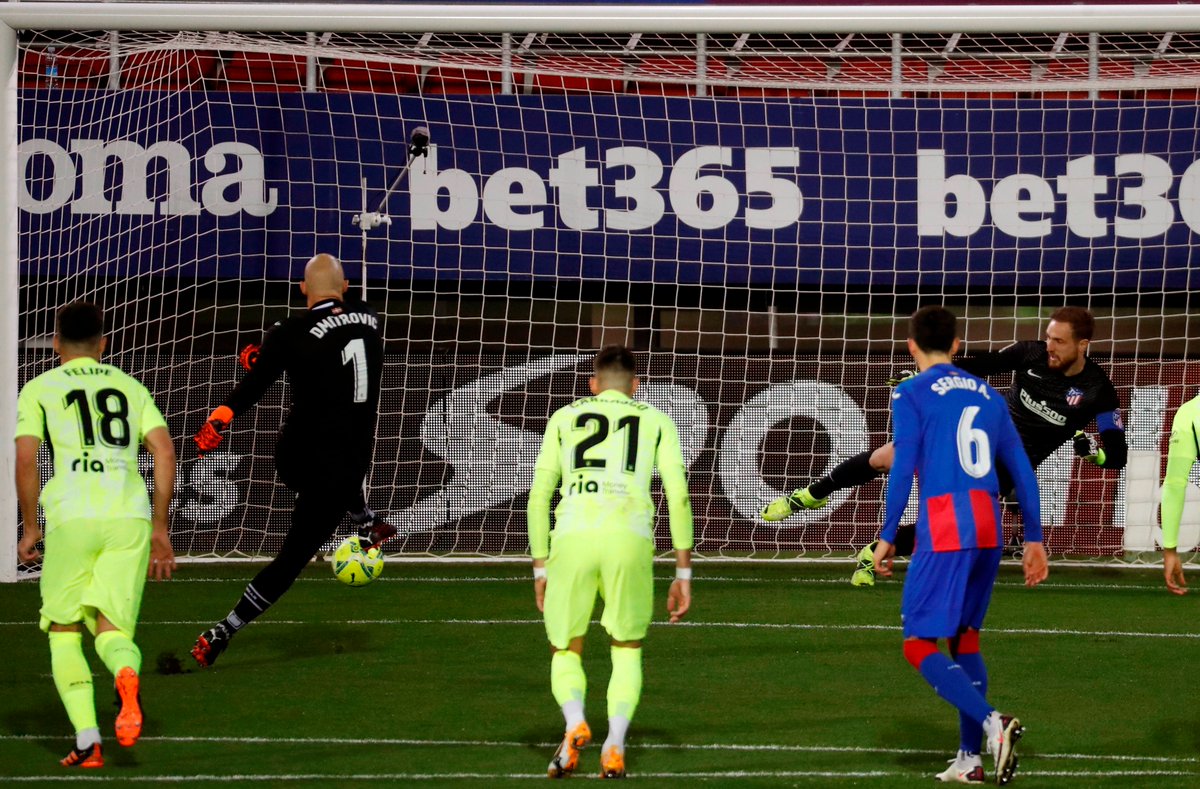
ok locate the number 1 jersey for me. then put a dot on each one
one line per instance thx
(92, 418)
(333, 356)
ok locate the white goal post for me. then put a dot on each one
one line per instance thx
(736, 256)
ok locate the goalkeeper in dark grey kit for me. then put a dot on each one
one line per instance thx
(333, 356)
(1056, 392)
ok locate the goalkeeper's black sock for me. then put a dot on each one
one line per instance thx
(247, 610)
(906, 539)
(849, 473)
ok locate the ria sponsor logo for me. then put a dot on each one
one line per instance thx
(229, 178)
(579, 486)
(87, 465)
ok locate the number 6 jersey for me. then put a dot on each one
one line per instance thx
(951, 428)
(92, 418)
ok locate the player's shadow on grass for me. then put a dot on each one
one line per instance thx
(320, 643)
(39, 721)
(899, 730)
(1177, 735)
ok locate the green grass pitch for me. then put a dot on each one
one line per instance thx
(784, 675)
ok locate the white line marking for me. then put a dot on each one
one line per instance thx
(341, 778)
(665, 578)
(1105, 773)
(1007, 631)
(649, 746)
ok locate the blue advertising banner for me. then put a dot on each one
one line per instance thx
(834, 192)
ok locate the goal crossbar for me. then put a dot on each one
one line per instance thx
(296, 17)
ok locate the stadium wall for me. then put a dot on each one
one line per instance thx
(811, 193)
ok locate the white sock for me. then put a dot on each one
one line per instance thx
(573, 713)
(991, 728)
(617, 726)
(86, 739)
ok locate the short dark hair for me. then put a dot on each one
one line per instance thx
(80, 323)
(615, 358)
(1083, 325)
(933, 329)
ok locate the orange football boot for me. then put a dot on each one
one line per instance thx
(88, 757)
(129, 719)
(566, 758)
(612, 763)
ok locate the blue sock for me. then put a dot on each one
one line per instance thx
(971, 732)
(953, 684)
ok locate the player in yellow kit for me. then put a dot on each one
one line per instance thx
(604, 449)
(101, 533)
(1182, 453)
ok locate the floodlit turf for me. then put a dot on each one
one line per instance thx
(783, 675)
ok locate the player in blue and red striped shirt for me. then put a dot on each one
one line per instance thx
(951, 429)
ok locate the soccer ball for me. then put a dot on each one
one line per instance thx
(354, 566)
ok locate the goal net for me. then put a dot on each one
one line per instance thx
(756, 214)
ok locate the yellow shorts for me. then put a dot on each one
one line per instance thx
(614, 563)
(95, 566)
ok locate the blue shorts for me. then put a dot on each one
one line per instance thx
(946, 593)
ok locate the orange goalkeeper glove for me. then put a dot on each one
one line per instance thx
(249, 355)
(209, 437)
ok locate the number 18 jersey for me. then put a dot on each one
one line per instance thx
(92, 417)
(605, 449)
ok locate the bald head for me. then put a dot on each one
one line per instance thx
(323, 279)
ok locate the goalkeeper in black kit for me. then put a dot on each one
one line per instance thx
(1056, 392)
(332, 354)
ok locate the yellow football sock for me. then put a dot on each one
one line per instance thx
(625, 684)
(569, 684)
(117, 650)
(73, 678)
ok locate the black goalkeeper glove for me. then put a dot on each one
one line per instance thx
(901, 377)
(1087, 448)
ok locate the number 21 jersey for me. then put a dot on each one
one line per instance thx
(606, 448)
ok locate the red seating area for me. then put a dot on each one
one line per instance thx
(170, 69)
(344, 75)
(779, 69)
(673, 76)
(1162, 69)
(69, 68)
(656, 75)
(263, 71)
(913, 74)
(601, 75)
(479, 75)
(1016, 70)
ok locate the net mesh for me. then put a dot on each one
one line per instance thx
(756, 215)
